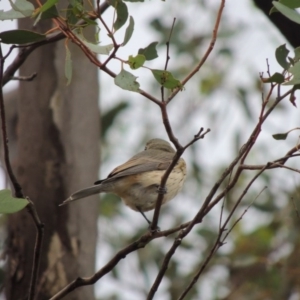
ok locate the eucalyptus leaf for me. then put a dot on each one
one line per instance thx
(136, 62)
(150, 51)
(287, 12)
(68, 66)
(127, 81)
(9, 204)
(20, 37)
(20, 9)
(166, 79)
(281, 54)
(129, 31)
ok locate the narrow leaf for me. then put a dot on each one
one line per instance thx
(122, 13)
(68, 66)
(48, 4)
(9, 204)
(280, 136)
(288, 12)
(50, 13)
(129, 31)
(127, 81)
(20, 37)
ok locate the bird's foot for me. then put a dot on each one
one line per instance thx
(161, 190)
(153, 230)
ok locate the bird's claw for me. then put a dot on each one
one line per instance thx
(161, 190)
(153, 230)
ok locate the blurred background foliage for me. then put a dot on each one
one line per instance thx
(260, 257)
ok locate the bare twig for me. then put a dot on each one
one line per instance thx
(206, 54)
(221, 241)
(19, 193)
(167, 58)
(163, 269)
(179, 152)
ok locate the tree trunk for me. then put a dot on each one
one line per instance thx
(57, 153)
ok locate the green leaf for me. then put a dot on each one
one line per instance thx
(46, 11)
(295, 71)
(288, 12)
(288, 3)
(89, 21)
(281, 54)
(280, 136)
(20, 9)
(47, 5)
(9, 204)
(129, 31)
(122, 13)
(50, 13)
(24, 7)
(297, 54)
(20, 37)
(104, 50)
(150, 51)
(74, 11)
(68, 66)
(277, 78)
(166, 79)
(127, 81)
(136, 61)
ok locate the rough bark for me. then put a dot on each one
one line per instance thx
(57, 153)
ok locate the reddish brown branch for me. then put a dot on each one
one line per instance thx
(206, 54)
(25, 51)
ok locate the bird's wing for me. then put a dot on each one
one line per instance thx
(143, 163)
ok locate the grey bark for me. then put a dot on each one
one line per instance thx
(57, 153)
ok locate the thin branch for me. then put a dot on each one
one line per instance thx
(219, 243)
(15, 183)
(244, 151)
(278, 163)
(25, 51)
(163, 269)
(168, 45)
(167, 58)
(179, 152)
(206, 54)
(239, 201)
(140, 243)
(19, 193)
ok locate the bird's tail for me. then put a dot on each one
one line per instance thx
(83, 193)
